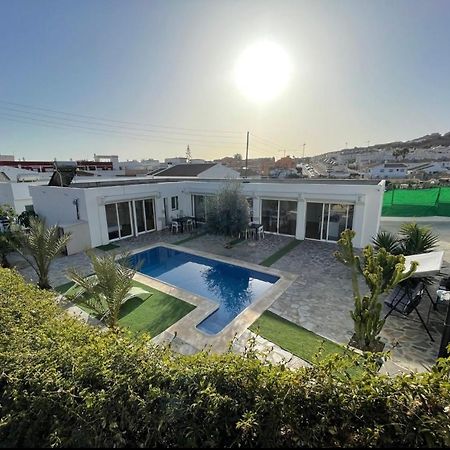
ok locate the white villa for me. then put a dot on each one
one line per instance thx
(102, 211)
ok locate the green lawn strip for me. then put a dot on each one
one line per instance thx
(107, 247)
(190, 238)
(295, 339)
(280, 253)
(152, 314)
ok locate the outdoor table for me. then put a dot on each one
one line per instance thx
(253, 226)
(182, 221)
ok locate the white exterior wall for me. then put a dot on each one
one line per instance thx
(381, 172)
(56, 204)
(16, 195)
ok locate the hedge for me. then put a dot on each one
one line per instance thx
(66, 384)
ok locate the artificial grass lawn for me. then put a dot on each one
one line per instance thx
(152, 314)
(295, 339)
(280, 253)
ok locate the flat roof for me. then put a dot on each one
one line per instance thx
(125, 181)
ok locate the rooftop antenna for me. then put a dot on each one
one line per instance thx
(188, 155)
(246, 155)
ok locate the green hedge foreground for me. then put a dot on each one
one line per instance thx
(64, 384)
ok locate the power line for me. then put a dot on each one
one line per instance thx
(267, 141)
(97, 123)
(90, 130)
(120, 121)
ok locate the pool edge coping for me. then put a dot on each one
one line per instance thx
(186, 327)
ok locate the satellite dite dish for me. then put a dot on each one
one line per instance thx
(63, 174)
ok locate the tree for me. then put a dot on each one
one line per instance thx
(237, 157)
(228, 211)
(108, 289)
(39, 246)
(381, 271)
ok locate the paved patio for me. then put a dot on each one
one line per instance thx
(319, 299)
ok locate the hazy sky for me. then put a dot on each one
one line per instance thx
(360, 71)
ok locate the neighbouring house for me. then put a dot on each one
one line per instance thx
(100, 211)
(389, 170)
(204, 170)
(14, 187)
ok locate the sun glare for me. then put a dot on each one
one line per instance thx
(262, 71)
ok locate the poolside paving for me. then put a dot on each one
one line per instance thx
(319, 299)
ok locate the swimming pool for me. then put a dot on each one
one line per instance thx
(232, 287)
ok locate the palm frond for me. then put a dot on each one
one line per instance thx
(417, 239)
(388, 241)
(107, 290)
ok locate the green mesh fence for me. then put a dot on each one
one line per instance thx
(417, 202)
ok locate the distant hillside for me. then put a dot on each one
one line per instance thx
(427, 141)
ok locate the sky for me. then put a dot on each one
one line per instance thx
(143, 79)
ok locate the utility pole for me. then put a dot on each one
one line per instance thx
(346, 145)
(246, 155)
(368, 144)
(304, 145)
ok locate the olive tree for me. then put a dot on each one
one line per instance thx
(228, 211)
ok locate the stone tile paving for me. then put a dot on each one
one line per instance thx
(321, 299)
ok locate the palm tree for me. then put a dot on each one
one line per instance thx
(415, 239)
(39, 246)
(388, 241)
(107, 290)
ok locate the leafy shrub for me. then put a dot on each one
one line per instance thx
(63, 383)
(228, 211)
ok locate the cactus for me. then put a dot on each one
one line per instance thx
(381, 271)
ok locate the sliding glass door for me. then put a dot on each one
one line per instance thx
(279, 216)
(326, 221)
(199, 207)
(145, 215)
(119, 220)
(125, 219)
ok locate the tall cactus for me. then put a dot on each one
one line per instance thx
(381, 271)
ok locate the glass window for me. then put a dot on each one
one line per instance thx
(250, 208)
(140, 220)
(174, 203)
(123, 210)
(111, 221)
(149, 214)
(288, 217)
(314, 213)
(200, 208)
(269, 215)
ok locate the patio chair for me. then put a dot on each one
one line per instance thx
(260, 232)
(175, 226)
(414, 294)
(189, 225)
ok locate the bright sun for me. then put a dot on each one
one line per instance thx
(262, 71)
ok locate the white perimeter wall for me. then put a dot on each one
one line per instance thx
(56, 203)
(16, 195)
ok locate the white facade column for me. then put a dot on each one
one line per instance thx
(301, 218)
(358, 222)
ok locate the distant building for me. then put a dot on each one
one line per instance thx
(389, 170)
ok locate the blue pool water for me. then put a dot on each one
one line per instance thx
(232, 287)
